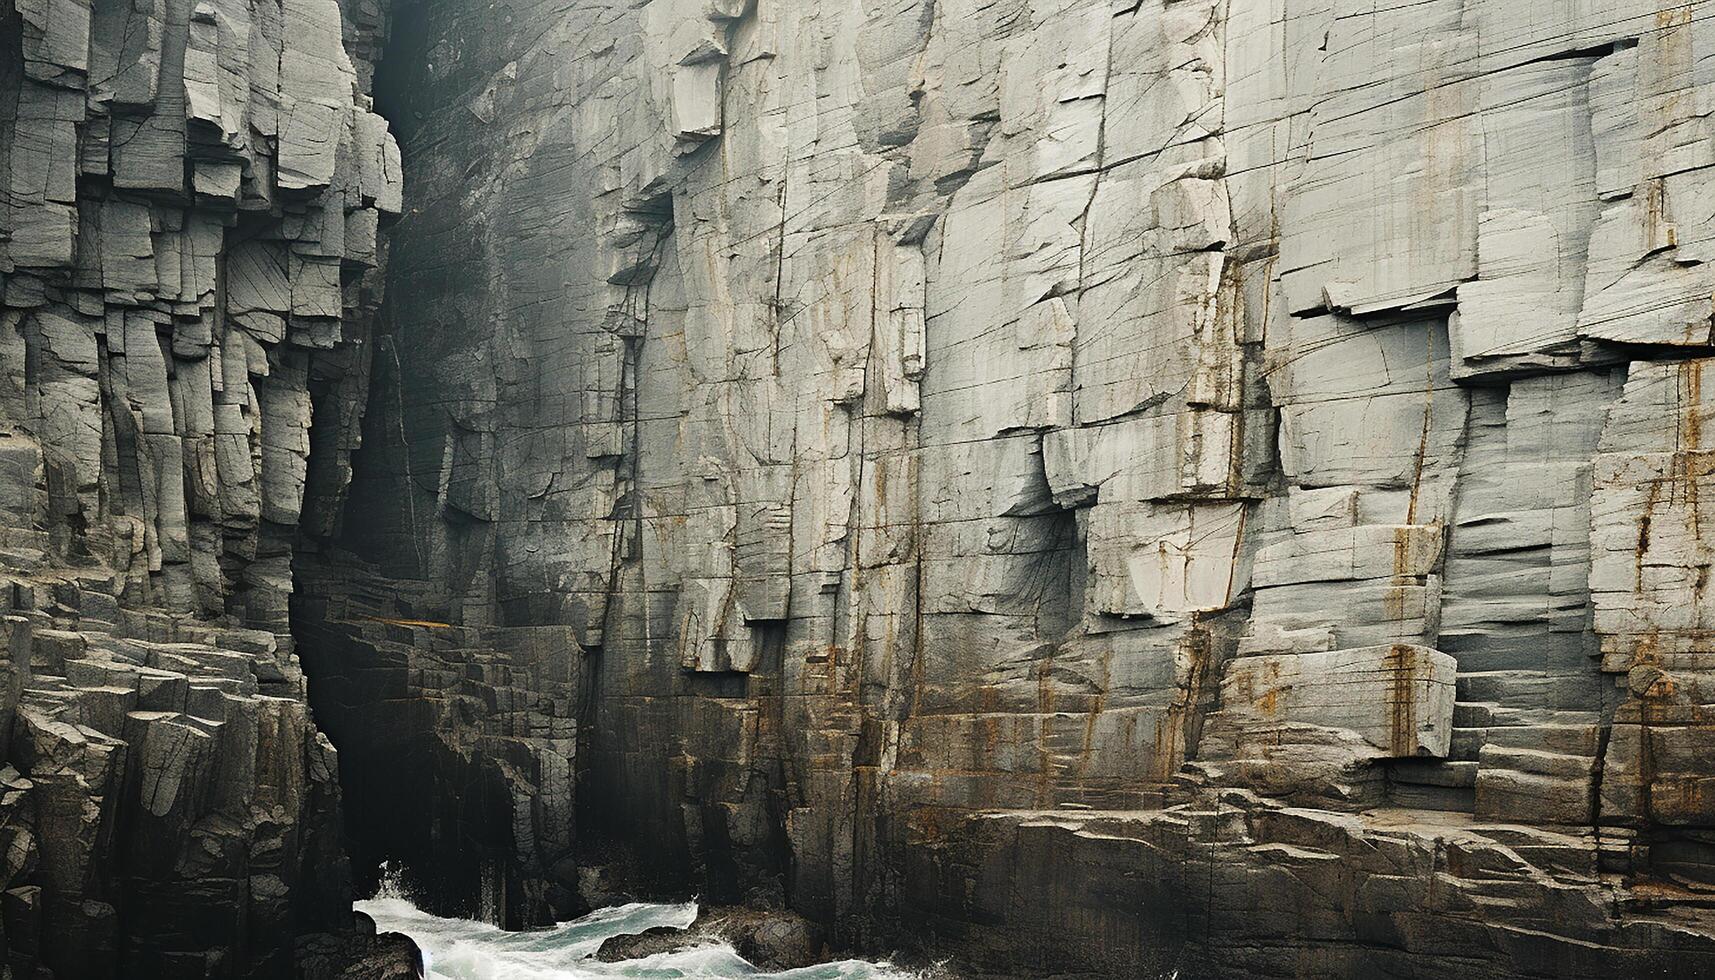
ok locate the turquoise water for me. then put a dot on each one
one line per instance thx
(463, 949)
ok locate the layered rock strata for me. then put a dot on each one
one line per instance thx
(1000, 462)
(190, 199)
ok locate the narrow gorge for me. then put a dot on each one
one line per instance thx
(1122, 488)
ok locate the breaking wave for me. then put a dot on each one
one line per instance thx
(465, 949)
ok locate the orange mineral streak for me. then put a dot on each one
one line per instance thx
(424, 623)
(1402, 666)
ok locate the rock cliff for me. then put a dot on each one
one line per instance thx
(1111, 485)
(190, 201)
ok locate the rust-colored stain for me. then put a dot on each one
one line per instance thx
(1402, 721)
(1179, 730)
(1269, 701)
(1045, 704)
(1394, 598)
(1655, 218)
(1165, 737)
(425, 623)
(1673, 16)
(1086, 754)
(988, 739)
(1428, 422)
(1690, 454)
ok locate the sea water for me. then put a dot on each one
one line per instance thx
(464, 949)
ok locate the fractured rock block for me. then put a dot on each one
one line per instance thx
(56, 40)
(1384, 214)
(1165, 561)
(696, 95)
(1397, 699)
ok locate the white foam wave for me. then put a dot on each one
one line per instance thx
(463, 949)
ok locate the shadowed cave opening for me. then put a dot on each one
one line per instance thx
(427, 790)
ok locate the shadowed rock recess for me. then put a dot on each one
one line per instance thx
(1109, 486)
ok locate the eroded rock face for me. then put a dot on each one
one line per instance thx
(980, 472)
(190, 198)
(934, 421)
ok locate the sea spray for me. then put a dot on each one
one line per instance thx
(466, 949)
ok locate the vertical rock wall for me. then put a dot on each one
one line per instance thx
(1004, 467)
(190, 199)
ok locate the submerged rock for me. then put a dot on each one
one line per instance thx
(770, 939)
(660, 939)
(360, 954)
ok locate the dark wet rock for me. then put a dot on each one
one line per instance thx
(608, 879)
(360, 954)
(660, 939)
(481, 821)
(774, 940)
(770, 939)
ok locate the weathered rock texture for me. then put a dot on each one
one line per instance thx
(1160, 484)
(1198, 483)
(190, 194)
